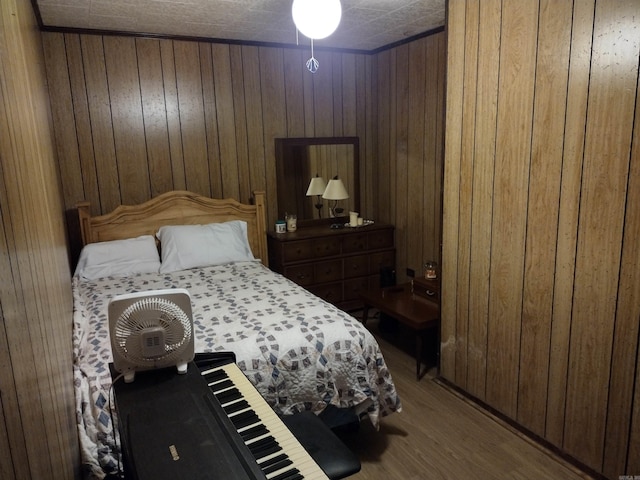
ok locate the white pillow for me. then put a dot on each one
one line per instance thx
(119, 258)
(190, 246)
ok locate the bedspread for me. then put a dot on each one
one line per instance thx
(299, 351)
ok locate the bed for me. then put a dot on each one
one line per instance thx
(300, 352)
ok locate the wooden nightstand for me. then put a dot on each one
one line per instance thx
(402, 303)
(335, 264)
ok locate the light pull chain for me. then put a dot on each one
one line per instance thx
(312, 63)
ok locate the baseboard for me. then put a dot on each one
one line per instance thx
(534, 439)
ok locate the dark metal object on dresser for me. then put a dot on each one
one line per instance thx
(335, 264)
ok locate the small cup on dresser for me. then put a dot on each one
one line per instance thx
(292, 223)
(281, 226)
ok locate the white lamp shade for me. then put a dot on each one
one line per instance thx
(317, 186)
(316, 18)
(335, 190)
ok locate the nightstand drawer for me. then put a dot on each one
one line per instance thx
(426, 288)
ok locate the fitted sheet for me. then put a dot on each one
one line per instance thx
(299, 351)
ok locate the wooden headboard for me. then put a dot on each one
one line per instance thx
(176, 208)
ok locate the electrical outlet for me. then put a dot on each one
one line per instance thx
(411, 272)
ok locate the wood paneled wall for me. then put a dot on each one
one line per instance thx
(136, 117)
(541, 284)
(38, 438)
(409, 106)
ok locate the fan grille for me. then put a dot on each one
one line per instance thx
(147, 313)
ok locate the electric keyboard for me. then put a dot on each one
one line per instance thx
(179, 427)
(277, 452)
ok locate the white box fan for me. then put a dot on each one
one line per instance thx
(149, 330)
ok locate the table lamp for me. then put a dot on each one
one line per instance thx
(317, 186)
(335, 191)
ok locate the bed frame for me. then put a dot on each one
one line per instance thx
(176, 208)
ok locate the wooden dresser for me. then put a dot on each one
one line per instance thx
(335, 264)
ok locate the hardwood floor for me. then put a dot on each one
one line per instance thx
(441, 435)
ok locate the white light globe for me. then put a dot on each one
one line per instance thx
(316, 18)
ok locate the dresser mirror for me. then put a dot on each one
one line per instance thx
(298, 160)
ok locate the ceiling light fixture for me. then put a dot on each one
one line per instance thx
(316, 19)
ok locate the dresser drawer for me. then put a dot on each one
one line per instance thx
(294, 251)
(301, 274)
(354, 286)
(326, 247)
(328, 271)
(310, 249)
(331, 292)
(355, 243)
(382, 239)
(356, 266)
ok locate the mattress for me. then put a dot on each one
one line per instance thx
(300, 352)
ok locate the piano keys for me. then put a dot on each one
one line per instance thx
(277, 452)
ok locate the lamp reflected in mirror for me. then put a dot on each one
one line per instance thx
(317, 186)
(299, 160)
(335, 191)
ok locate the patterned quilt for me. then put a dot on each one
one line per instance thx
(300, 352)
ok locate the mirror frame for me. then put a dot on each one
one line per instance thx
(285, 148)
